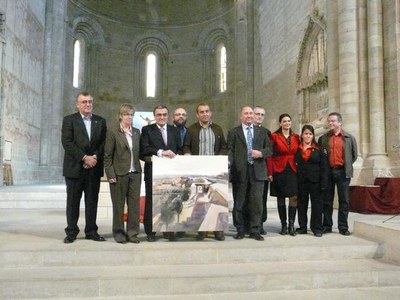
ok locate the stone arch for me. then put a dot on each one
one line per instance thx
(159, 44)
(312, 75)
(209, 39)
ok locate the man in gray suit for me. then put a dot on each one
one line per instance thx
(123, 170)
(248, 146)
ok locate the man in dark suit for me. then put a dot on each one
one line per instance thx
(162, 140)
(259, 115)
(124, 173)
(205, 138)
(82, 136)
(248, 146)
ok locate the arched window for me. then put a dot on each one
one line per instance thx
(221, 67)
(151, 75)
(79, 63)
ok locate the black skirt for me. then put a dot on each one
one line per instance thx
(284, 184)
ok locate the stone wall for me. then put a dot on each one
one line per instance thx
(21, 99)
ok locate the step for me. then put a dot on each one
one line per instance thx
(22, 251)
(107, 281)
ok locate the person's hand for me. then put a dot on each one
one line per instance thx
(112, 180)
(256, 154)
(168, 153)
(270, 178)
(89, 162)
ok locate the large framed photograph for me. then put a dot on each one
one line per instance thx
(190, 193)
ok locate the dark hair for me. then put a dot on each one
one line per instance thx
(279, 130)
(202, 104)
(160, 107)
(311, 128)
(83, 94)
(339, 116)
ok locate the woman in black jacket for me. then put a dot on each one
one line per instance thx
(312, 167)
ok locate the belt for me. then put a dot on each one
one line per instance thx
(337, 167)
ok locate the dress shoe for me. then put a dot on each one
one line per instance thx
(262, 231)
(134, 239)
(69, 239)
(327, 230)
(301, 231)
(180, 234)
(239, 236)
(318, 234)
(95, 237)
(219, 235)
(120, 238)
(151, 238)
(344, 232)
(172, 237)
(201, 235)
(257, 236)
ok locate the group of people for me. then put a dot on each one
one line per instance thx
(295, 166)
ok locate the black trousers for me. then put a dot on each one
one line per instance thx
(337, 177)
(247, 202)
(148, 208)
(90, 186)
(264, 202)
(310, 190)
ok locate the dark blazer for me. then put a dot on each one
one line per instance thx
(191, 144)
(151, 141)
(237, 153)
(75, 141)
(117, 154)
(313, 170)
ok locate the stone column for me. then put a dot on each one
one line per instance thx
(348, 62)
(53, 95)
(376, 89)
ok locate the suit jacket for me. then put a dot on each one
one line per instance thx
(151, 141)
(350, 150)
(76, 143)
(313, 170)
(117, 154)
(282, 154)
(191, 144)
(237, 153)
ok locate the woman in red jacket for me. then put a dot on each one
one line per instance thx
(282, 171)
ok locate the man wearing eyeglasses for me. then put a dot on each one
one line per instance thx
(163, 140)
(179, 119)
(83, 135)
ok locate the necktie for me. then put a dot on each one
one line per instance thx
(249, 145)
(183, 134)
(164, 135)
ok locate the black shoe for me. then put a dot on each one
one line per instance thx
(284, 230)
(301, 231)
(327, 230)
(201, 235)
(318, 234)
(134, 240)
(239, 236)
(219, 235)
(172, 237)
(151, 238)
(69, 239)
(262, 231)
(95, 237)
(257, 236)
(344, 232)
(180, 234)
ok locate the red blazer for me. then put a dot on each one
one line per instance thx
(282, 155)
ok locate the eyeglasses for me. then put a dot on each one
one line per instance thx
(86, 102)
(180, 115)
(260, 114)
(128, 114)
(161, 115)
